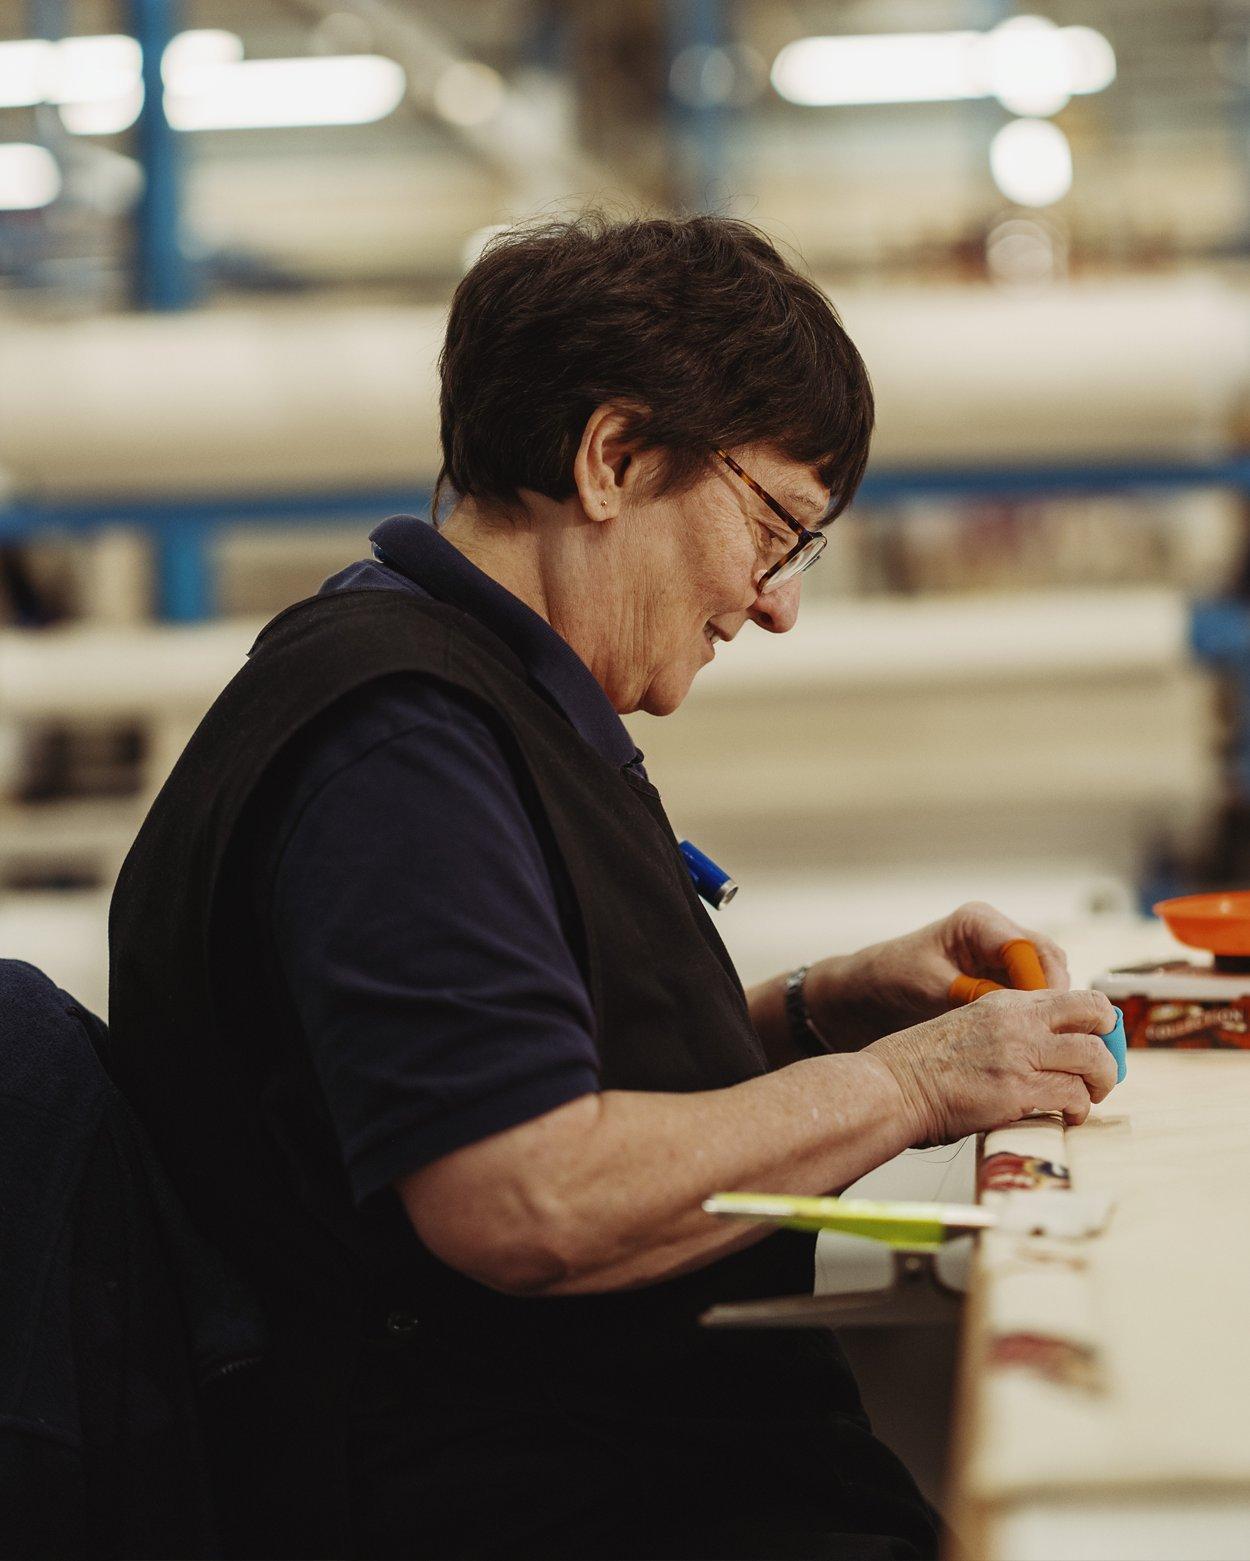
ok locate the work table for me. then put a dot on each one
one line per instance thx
(1129, 1434)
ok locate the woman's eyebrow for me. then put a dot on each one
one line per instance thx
(801, 499)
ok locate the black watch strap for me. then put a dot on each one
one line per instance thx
(805, 1037)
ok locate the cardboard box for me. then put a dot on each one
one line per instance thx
(1180, 1006)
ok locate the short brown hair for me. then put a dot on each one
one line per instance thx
(696, 324)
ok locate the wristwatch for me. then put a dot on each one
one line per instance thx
(806, 1038)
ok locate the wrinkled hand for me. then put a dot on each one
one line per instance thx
(1000, 1058)
(896, 983)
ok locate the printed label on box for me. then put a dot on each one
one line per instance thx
(1176, 1025)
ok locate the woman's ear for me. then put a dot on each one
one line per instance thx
(605, 466)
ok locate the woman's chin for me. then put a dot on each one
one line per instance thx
(666, 691)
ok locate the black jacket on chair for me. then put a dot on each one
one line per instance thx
(115, 1318)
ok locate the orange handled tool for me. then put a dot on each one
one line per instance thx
(1023, 967)
(966, 989)
(1024, 970)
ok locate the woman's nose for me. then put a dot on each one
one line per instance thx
(777, 610)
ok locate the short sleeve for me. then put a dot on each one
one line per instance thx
(416, 927)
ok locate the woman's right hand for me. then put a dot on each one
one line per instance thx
(1001, 1058)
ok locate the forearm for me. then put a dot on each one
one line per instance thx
(813, 1127)
(605, 1193)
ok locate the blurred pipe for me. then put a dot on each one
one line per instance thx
(1146, 373)
(162, 273)
(523, 139)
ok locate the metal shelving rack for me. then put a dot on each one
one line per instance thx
(182, 531)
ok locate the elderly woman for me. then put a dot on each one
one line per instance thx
(412, 987)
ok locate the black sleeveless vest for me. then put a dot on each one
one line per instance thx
(212, 1063)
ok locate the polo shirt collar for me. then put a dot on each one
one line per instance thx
(413, 548)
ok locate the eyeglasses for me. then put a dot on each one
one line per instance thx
(804, 553)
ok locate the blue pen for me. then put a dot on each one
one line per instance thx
(712, 882)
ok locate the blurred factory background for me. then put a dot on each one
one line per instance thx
(228, 234)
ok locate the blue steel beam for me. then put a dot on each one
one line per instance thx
(890, 485)
(163, 276)
(185, 571)
(699, 127)
(183, 532)
(183, 527)
(24, 517)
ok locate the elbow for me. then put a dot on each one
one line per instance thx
(526, 1264)
(530, 1273)
(528, 1251)
(509, 1212)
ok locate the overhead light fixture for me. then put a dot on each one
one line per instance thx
(890, 68)
(25, 73)
(1028, 63)
(199, 46)
(352, 89)
(97, 83)
(1027, 66)
(29, 177)
(92, 74)
(1031, 162)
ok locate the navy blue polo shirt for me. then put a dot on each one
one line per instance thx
(411, 906)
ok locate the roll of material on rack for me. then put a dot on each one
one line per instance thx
(1069, 371)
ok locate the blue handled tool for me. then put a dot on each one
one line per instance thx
(712, 882)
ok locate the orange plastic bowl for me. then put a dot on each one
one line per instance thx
(1219, 923)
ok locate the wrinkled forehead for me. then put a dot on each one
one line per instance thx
(796, 486)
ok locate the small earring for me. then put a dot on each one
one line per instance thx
(604, 502)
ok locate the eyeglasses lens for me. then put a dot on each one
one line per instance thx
(803, 559)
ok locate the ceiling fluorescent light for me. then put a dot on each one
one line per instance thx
(1031, 162)
(29, 177)
(351, 89)
(1091, 58)
(94, 70)
(100, 113)
(25, 72)
(199, 46)
(891, 68)
(104, 116)
(97, 83)
(78, 71)
(1026, 66)
(1028, 63)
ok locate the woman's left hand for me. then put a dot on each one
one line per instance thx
(860, 997)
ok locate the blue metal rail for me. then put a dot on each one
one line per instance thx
(183, 532)
(163, 277)
(182, 529)
(1049, 480)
